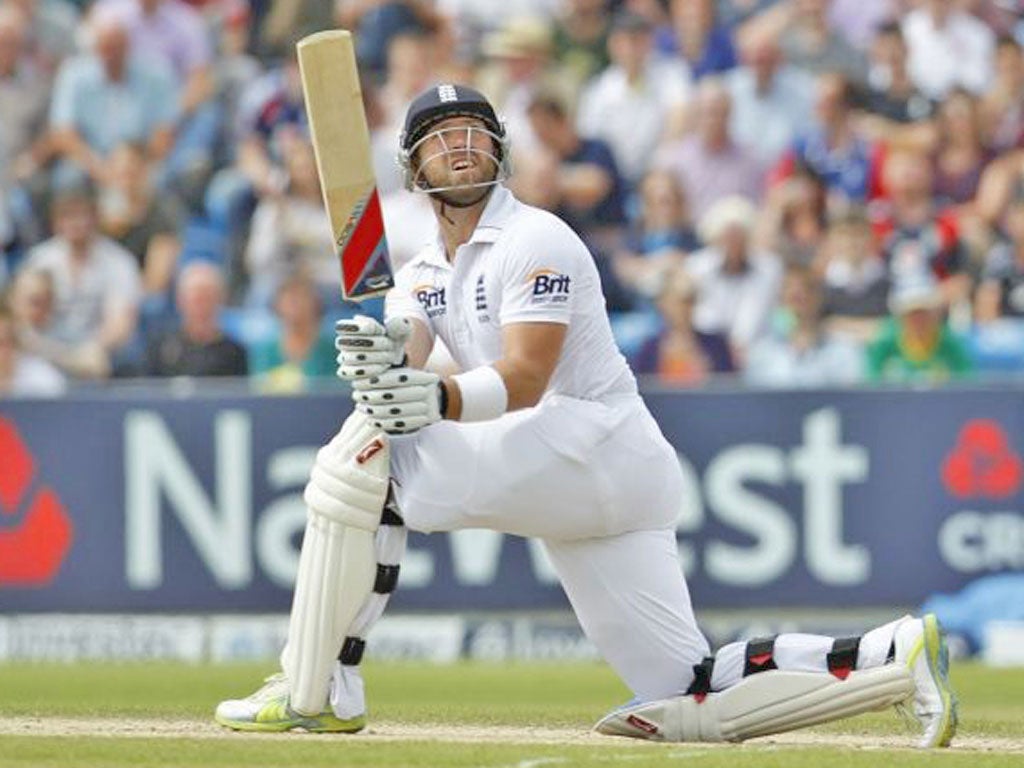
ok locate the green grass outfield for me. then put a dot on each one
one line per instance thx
(498, 716)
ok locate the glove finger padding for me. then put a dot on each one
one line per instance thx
(395, 410)
(404, 425)
(360, 325)
(398, 395)
(397, 378)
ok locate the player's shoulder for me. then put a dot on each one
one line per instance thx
(531, 226)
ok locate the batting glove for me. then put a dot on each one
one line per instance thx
(367, 348)
(400, 400)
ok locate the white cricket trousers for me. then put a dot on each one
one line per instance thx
(601, 487)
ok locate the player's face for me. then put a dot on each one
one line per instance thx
(458, 154)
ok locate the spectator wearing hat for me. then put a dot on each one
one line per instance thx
(631, 103)
(680, 354)
(916, 344)
(799, 351)
(737, 287)
(709, 164)
(519, 66)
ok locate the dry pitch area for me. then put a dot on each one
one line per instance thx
(519, 716)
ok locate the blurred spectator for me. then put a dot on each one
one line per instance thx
(630, 104)
(97, 282)
(271, 117)
(290, 233)
(857, 20)
(833, 148)
(661, 238)
(410, 69)
(948, 47)
(961, 154)
(810, 43)
(1001, 291)
(106, 98)
(856, 282)
(709, 164)
(591, 191)
(234, 68)
(580, 42)
(23, 374)
(174, 33)
(376, 22)
(50, 38)
(799, 351)
(771, 102)
(680, 354)
(286, 21)
(792, 223)
(917, 236)
(199, 347)
(299, 352)
(1001, 184)
(891, 93)
(697, 36)
(24, 98)
(519, 68)
(1002, 108)
(916, 344)
(737, 287)
(32, 302)
(144, 222)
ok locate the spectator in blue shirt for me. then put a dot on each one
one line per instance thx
(591, 189)
(697, 36)
(107, 98)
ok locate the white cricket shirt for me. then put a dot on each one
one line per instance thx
(522, 264)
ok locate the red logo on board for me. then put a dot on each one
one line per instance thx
(983, 463)
(31, 552)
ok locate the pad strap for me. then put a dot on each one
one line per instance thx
(842, 659)
(760, 656)
(701, 685)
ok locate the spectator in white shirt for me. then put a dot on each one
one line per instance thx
(22, 374)
(948, 47)
(97, 282)
(630, 104)
(737, 287)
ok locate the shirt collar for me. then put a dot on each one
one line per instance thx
(497, 212)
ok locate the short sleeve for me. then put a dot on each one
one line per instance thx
(542, 273)
(401, 300)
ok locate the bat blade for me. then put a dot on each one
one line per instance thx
(341, 141)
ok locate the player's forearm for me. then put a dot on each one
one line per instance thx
(518, 384)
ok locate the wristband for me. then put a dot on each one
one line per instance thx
(483, 392)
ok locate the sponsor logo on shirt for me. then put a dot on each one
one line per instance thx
(432, 299)
(549, 286)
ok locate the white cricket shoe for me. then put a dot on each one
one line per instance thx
(268, 710)
(921, 645)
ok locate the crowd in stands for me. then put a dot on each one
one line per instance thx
(783, 192)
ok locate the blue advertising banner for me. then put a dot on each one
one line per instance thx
(160, 503)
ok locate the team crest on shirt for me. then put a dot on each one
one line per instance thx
(482, 314)
(548, 286)
(432, 299)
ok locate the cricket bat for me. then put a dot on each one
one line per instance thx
(341, 141)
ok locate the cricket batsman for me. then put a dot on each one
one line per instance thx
(543, 434)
